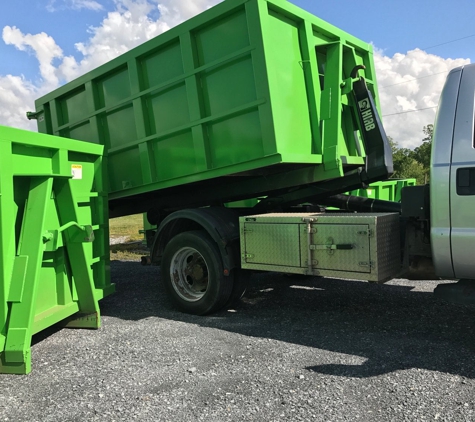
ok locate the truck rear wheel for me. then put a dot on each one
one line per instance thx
(193, 274)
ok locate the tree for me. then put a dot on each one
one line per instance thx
(422, 152)
(413, 163)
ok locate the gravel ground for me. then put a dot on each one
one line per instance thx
(293, 349)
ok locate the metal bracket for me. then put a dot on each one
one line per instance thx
(310, 231)
(368, 233)
(77, 234)
(346, 86)
(369, 264)
(33, 115)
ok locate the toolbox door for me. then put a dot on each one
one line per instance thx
(341, 247)
(272, 244)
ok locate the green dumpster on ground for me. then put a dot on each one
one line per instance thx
(54, 255)
(387, 190)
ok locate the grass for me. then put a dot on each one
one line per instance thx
(126, 227)
(125, 231)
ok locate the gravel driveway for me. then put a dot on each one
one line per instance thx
(293, 349)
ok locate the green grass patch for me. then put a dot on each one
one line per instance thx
(127, 242)
(126, 227)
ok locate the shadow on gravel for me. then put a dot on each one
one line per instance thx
(392, 326)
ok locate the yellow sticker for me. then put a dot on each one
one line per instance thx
(76, 171)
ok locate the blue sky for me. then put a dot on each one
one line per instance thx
(66, 25)
(39, 46)
(397, 26)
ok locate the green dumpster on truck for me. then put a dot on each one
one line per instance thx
(54, 237)
(248, 98)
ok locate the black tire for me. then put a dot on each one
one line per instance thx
(192, 274)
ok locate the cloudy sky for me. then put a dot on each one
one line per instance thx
(46, 43)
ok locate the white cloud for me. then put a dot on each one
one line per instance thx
(42, 46)
(131, 23)
(128, 26)
(16, 97)
(86, 4)
(408, 82)
(175, 12)
(53, 6)
(16, 93)
(122, 29)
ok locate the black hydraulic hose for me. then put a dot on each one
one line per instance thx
(359, 203)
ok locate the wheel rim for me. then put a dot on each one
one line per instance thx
(189, 274)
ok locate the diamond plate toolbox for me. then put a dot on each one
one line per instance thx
(364, 246)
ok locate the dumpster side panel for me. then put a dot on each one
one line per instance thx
(289, 97)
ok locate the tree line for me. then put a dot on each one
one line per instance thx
(414, 163)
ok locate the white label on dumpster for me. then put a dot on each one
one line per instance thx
(76, 171)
